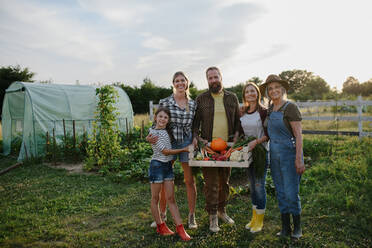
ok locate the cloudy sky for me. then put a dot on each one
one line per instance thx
(127, 40)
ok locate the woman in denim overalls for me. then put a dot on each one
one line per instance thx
(286, 158)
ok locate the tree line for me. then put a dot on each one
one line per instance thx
(304, 85)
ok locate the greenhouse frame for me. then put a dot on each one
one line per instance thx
(30, 110)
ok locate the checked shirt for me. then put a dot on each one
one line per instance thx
(181, 119)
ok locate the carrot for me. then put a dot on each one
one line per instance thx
(228, 153)
(209, 150)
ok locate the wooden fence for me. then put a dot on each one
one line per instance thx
(359, 103)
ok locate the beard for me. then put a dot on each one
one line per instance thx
(215, 87)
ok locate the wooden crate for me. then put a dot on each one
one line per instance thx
(247, 156)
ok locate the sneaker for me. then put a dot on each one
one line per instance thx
(163, 230)
(223, 216)
(192, 222)
(213, 223)
(163, 217)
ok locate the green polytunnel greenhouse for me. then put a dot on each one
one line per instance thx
(30, 110)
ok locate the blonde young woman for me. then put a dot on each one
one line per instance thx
(286, 155)
(182, 109)
(252, 119)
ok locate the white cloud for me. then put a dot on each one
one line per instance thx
(47, 32)
(156, 42)
(128, 40)
(122, 13)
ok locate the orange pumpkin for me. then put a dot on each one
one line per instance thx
(218, 145)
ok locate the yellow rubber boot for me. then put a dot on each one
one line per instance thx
(258, 224)
(251, 223)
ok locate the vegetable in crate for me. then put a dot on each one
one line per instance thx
(236, 156)
(218, 145)
(258, 155)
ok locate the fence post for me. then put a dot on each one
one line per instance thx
(47, 144)
(142, 128)
(54, 147)
(74, 140)
(126, 125)
(360, 123)
(64, 137)
(151, 106)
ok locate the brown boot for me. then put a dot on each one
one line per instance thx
(182, 233)
(213, 223)
(163, 230)
(192, 222)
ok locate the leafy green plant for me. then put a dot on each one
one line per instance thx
(258, 155)
(104, 149)
(315, 148)
(16, 144)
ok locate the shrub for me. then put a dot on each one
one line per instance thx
(104, 144)
(315, 148)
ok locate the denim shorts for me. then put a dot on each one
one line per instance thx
(184, 156)
(160, 171)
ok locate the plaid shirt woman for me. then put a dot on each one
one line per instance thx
(182, 110)
(181, 118)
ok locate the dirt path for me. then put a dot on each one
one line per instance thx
(71, 168)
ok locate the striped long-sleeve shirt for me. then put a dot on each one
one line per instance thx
(162, 143)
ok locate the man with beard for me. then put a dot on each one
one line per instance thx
(216, 115)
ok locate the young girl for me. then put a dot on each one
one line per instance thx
(161, 173)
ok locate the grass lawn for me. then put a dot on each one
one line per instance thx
(47, 207)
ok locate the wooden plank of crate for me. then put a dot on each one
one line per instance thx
(247, 156)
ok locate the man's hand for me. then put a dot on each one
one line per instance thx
(195, 142)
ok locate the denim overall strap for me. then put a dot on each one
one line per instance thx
(282, 163)
(281, 130)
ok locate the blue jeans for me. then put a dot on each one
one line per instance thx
(285, 177)
(257, 187)
(184, 156)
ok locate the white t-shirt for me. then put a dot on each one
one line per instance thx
(252, 126)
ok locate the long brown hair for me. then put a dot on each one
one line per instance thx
(258, 100)
(168, 126)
